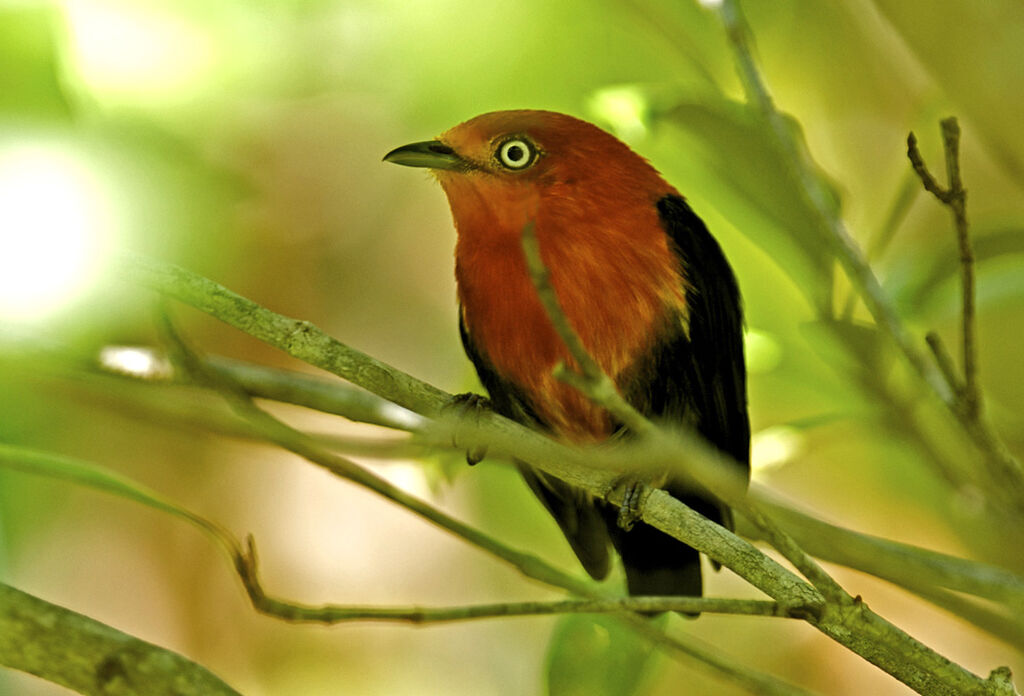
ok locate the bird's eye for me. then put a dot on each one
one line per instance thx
(516, 154)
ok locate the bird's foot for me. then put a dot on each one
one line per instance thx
(469, 405)
(634, 494)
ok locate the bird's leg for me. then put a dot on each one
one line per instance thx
(463, 406)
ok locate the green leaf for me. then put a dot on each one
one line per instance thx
(733, 161)
(596, 655)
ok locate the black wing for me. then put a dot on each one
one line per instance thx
(694, 375)
(704, 365)
(576, 514)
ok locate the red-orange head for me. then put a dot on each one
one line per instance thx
(593, 204)
(505, 168)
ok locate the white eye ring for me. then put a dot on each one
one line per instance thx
(516, 154)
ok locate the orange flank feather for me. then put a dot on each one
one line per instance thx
(641, 280)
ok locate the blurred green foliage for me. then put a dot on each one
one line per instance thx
(243, 139)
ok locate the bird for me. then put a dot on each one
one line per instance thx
(642, 282)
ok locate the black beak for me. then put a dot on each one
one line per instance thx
(432, 154)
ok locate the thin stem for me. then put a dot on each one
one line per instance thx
(1005, 470)
(597, 381)
(944, 361)
(958, 204)
(955, 198)
(334, 614)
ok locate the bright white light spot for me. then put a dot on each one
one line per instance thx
(401, 417)
(135, 361)
(54, 229)
(711, 3)
(409, 477)
(773, 447)
(137, 48)
(624, 108)
(762, 351)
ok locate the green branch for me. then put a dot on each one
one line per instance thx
(853, 625)
(902, 564)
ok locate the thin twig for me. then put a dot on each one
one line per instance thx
(944, 361)
(333, 614)
(598, 385)
(951, 138)
(1005, 471)
(955, 198)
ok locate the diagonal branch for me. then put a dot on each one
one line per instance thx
(82, 654)
(854, 626)
(288, 438)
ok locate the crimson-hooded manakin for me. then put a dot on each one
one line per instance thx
(641, 281)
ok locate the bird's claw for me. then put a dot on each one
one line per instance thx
(462, 406)
(634, 494)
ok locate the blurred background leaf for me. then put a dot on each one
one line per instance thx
(597, 656)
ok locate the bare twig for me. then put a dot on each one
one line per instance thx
(333, 614)
(1006, 473)
(955, 197)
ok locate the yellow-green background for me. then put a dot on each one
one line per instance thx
(242, 139)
